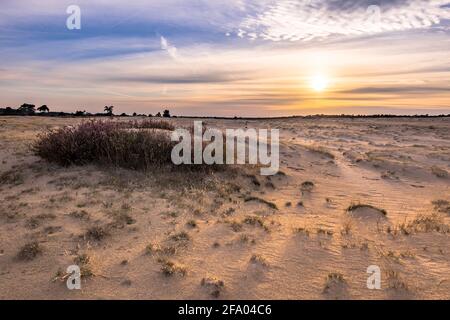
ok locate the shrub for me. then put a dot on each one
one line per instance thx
(128, 144)
(29, 251)
(107, 142)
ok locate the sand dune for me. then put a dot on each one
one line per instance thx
(351, 193)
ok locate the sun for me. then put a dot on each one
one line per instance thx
(319, 83)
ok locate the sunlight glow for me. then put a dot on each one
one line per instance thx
(319, 83)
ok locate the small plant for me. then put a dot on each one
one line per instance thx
(395, 281)
(428, 223)
(96, 233)
(346, 227)
(11, 177)
(439, 172)
(29, 251)
(333, 280)
(156, 249)
(215, 286)
(180, 236)
(236, 226)
(258, 259)
(307, 186)
(255, 221)
(170, 268)
(192, 223)
(442, 206)
(303, 231)
(81, 214)
(84, 262)
(325, 232)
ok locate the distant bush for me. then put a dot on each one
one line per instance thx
(149, 124)
(116, 143)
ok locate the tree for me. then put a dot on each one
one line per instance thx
(27, 108)
(43, 108)
(158, 114)
(166, 114)
(134, 114)
(109, 110)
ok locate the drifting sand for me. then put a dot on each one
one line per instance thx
(172, 235)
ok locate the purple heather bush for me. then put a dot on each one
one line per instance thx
(117, 143)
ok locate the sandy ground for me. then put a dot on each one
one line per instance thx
(157, 235)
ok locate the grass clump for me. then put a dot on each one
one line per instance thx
(84, 262)
(428, 223)
(442, 206)
(96, 233)
(255, 221)
(170, 268)
(333, 280)
(439, 172)
(29, 251)
(307, 186)
(215, 285)
(11, 177)
(421, 224)
(82, 215)
(259, 260)
(395, 281)
(180, 236)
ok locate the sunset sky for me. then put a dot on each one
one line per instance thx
(228, 57)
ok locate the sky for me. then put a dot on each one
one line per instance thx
(228, 57)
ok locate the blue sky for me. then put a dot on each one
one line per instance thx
(236, 57)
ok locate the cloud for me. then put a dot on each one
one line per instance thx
(212, 77)
(171, 50)
(304, 20)
(397, 89)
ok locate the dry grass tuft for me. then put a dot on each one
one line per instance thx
(259, 260)
(84, 262)
(439, 172)
(29, 251)
(307, 186)
(182, 236)
(395, 281)
(170, 268)
(428, 223)
(215, 285)
(255, 221)
(96, 233)
(333, 280)
(442, 206)
(11, 177)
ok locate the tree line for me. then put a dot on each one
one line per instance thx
(28, 109)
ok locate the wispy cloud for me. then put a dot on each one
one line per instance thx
(171, 49)
(304, 20)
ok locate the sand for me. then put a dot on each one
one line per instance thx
(178, 235)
